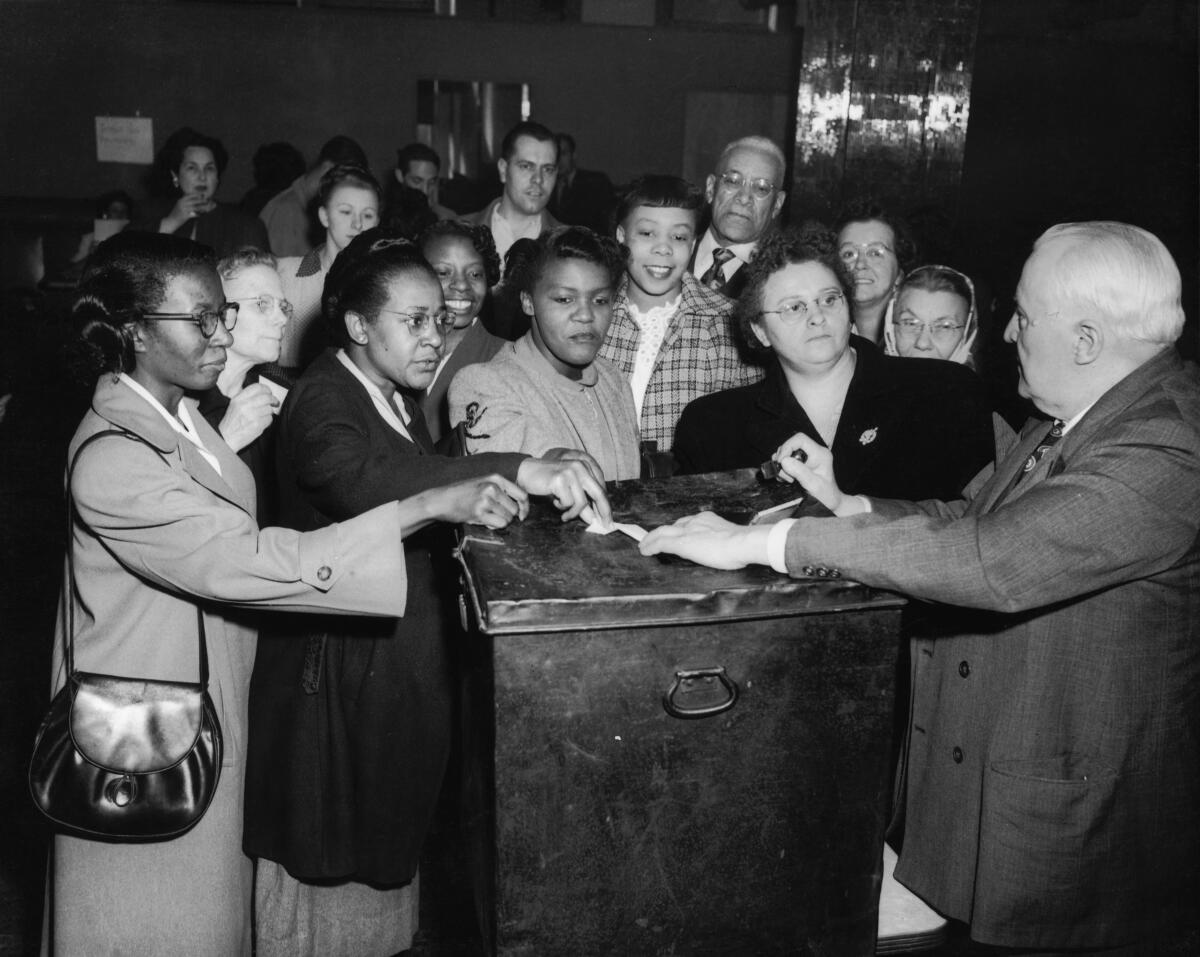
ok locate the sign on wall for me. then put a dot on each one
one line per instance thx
(125, 139)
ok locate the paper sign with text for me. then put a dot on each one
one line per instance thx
(125, 139)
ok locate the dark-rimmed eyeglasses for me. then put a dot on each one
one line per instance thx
(226, 315)
(798, 310)
(420, 323)
(266, 302)
(732, 181)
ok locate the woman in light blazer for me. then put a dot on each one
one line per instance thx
(166, 524)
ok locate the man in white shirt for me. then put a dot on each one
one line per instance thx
(528, 168)
(1051, 779)
(745, 195)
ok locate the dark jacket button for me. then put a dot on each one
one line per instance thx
(957, 755)
(964, 669)
(807, 570)
(323, 573)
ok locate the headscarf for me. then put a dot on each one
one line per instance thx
(962, 352)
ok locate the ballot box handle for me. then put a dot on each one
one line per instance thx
(700, 693)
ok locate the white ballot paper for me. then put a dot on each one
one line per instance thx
(597, 527)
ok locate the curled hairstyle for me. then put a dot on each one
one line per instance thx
(359, 277)
(126, 276)
(809, 243)
(1121, 272)
(866, 210)
(170, 157)
(480, 237)
(244, 258)
(346, 175)
(570, 242)
(660, 191)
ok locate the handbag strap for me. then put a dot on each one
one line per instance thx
(69, 602)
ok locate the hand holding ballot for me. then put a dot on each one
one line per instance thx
(803, 460)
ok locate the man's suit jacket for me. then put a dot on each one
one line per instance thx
(736, 283)
(1053, 764)
(586, 201)
(483, 217)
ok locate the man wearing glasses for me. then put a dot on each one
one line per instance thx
(745, 195)
(1052, 772)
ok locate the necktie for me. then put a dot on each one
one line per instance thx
(1051, 439)
(714, 276)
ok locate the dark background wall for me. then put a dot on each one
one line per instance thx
(251, 74)
(1081, 110)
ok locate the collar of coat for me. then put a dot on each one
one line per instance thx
(119, 405)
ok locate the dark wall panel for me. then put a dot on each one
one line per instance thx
(252, 74)
(1082, 111)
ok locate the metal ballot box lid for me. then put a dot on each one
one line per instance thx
(541, 575)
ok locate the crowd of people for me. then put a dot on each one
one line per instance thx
(329, 384)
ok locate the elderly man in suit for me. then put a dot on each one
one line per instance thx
(745, 195)
(1053, 759)
(528, 167)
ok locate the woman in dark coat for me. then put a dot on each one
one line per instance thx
(350, 721)
(898, 428)
(186, 174)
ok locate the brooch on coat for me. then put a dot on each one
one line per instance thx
(868, 437)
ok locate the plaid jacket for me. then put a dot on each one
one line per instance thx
(699, 355)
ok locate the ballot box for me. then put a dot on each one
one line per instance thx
(664, 759)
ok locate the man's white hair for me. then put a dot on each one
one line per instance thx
(762, 144)
(1122, 272)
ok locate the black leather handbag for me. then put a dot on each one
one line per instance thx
(124, 759)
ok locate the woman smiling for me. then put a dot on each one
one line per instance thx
(464, 259)
(162, 533)
(351, 717)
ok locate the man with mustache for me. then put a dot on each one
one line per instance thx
(745, 195)
(528, 168)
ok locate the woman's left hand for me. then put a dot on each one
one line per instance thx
(248, 415)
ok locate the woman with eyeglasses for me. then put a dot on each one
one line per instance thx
(348, 201)
(243, 404)
(351, 718)
(932, 316)
(163, 528)
(875, 248)
(898, 429)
